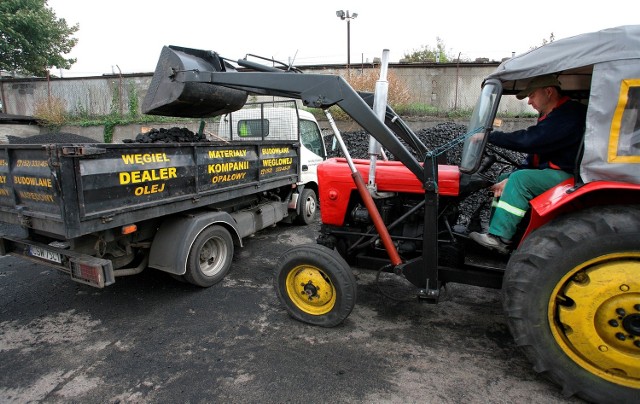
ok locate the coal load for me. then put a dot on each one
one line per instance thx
(171, 135)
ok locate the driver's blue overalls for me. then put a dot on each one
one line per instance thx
(552, 145)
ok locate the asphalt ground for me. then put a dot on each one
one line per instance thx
(151, 339)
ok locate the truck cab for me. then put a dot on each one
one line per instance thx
(282, 120)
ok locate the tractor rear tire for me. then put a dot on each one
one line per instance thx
(571, 294)
(316, 285)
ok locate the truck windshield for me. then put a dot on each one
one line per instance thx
(479, 124)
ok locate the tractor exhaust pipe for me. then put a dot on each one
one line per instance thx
(168, 97)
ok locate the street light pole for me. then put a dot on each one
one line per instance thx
(346, 16)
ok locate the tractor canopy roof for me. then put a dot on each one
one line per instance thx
(601, 69)
(571, 59)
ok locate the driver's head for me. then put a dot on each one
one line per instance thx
(543, 93)
(548, 80)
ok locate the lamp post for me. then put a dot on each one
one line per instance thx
(346, 16)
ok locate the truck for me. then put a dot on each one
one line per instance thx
(570, 288)
(98, 211)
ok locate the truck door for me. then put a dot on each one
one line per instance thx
(313, 150)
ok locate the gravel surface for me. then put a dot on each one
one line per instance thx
(151, 339)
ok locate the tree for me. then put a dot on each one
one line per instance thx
(426, 54)
(545, 41)
(33, 39)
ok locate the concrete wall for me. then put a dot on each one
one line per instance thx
(86, 96)
(443, 86)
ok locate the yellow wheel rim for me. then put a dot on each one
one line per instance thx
(594, 313)
(311, 290)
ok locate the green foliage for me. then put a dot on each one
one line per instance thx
(416, 110)
(82, 111)
(133, 101)
(109, 127)
(459, 113)
(114, 107)
(33, 39)
(428, 54)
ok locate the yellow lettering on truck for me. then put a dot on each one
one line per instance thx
(275, 150)
(33, 181)
(145, 158)
(137, 177)
(217, 154)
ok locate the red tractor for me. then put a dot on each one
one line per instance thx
(571, 288)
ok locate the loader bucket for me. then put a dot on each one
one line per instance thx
(169, 97)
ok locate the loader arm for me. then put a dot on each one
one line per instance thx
(315, 91)
(196, 83)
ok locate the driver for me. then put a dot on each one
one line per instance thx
(552, 147)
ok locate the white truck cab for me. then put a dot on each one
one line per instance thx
(282, 120)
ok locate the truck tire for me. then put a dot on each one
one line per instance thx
(210, 257)
(315, 285)
(571, 294)
(308, 207)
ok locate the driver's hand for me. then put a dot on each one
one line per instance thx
(477, 137)
(499, 188)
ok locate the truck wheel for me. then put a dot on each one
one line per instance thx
(309, 206)
(571, 294)
(315, 285)
(210, 257)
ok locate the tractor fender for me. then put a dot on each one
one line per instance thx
(565, 197)
(175, 237)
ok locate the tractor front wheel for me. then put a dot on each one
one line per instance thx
(571, 294)
(316, 285)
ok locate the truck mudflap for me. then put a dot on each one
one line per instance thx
(82, 268)
(168, 97)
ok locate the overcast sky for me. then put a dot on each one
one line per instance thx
(130, 34)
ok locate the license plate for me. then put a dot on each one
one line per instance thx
(45, 254)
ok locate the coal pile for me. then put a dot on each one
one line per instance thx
(171, 135)
(357, 143)
(48, 138)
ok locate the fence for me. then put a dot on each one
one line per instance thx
(445, 87)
